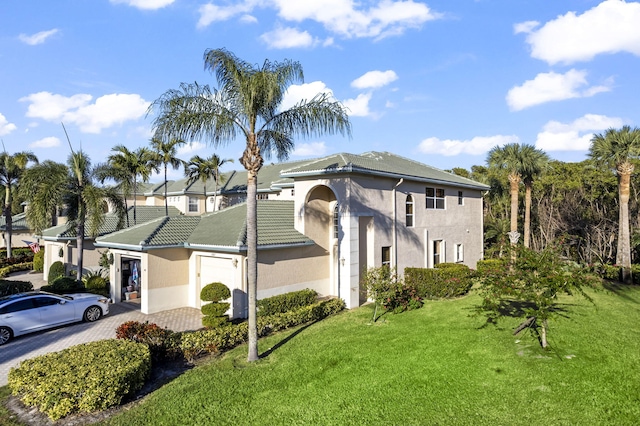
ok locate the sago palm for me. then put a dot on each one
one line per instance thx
(247, 104)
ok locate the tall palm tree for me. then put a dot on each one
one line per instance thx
(11, 169)
(140, 162)
(532, 163)
(615, 149)
(203, 169)
(247, 102)
(50, 185)
(166, 154)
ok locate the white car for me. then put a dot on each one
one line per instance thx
(38, 310)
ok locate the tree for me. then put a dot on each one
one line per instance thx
(615, 149)
(165, 154)
(203, 169)
(140, 162)
(533, 161)
(247, 102)
(49, 186)
(11, 169)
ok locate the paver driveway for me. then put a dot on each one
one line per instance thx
(31, 345)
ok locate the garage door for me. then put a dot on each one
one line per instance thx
(221, 269)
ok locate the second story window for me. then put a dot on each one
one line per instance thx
(336, 222)
(193, 205)
(386, 257)
(435, 198)
(409, 210)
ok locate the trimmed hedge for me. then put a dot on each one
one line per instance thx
(443, 281)
(8, 287)
(214, 312)
(38, 261)
(199, 343)
(286, 302)
(14, 268)
(64, 285)
(16, 252)
(56, 270)
(83, 378)
(162, 342)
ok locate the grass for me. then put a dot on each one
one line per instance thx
(436, 365)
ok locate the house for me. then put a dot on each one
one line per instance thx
(20, 231)
(321, 224)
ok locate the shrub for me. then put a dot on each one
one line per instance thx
(198, 343)
(446, 280)
(83, 378)
(98, 285)
(38, 261)
(286, 302)
(162, 342)
(56, 270)
(214, 312)
(63, 285)
(16, 267)
(8, 287)
(490, 264)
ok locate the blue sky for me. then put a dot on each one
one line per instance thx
(441, 82)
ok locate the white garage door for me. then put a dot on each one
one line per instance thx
(221, 269)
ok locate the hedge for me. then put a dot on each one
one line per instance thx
(27, 266)
(8, 287)
(443, 281)
(198, 343)
(286, 302)
(83, 378)
(57, 269)
(64, 285)
(38, 261)
(489, 264)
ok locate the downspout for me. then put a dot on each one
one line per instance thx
(395, 224)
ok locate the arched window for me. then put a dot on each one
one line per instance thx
(409, 210)
(336, 220)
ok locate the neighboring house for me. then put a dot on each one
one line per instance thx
(20, 231)
(321, 224)
(60, 243)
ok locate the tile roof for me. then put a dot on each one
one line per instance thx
(268, 175)
(221, 230)
(379, 163)
(18, 222)
(143, 214)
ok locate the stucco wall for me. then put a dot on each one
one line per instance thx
(168, 268)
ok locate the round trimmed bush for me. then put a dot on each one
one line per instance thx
(56, 270)
(214, 292)
(215, 309)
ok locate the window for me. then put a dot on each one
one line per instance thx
(293, 192)
(409, 210)
(386, 256)
(20, 305)
(460, 198)
(336, 222)
(459, 253)
(435, 198)
(263, 196)
(193, 204)
(438, 252)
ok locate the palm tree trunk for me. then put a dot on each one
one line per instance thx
(80, 247)
(252, 264)
(514, 181)
(527, 212)
(166, 205)
(205, 196)
(135, 196)
(8, 219)
(623, 256)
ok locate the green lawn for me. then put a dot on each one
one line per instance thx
(436, 365)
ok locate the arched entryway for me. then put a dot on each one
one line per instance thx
(322, 225)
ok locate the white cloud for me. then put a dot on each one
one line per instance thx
(525, 27)
(145, 4)
(551, 86)
(48, 142)
(310, 149)
(374, 79)
(286, 38)
(37, 38)
(188, 148)
(477, 146)
(574, 136)
(343, 17)
(358, 107)
(610, 27)
(5, 126)
(297, 92)
(106, 111)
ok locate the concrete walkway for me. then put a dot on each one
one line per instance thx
(31, 345)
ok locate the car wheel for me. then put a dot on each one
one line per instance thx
(5, 335)
(93, 313)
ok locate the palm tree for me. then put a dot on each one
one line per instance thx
(615, 149)
(11, 169)
(508, 157)
(133, 164)
(166, 155)
(203, 169)
(50, 185)
(532, 163)
(247, 102)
